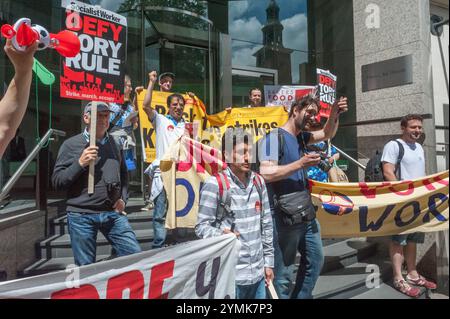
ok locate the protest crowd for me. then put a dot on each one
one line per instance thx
(262, 196)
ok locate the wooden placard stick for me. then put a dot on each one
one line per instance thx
(92, 142)
(272, 292)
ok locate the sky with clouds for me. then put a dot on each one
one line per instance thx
(246, 19)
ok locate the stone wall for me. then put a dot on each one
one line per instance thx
(19, 234)
(404, 30)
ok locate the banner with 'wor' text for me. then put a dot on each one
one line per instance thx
(344, 209)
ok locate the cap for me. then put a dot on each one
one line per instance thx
(101, 106)
(169, 74)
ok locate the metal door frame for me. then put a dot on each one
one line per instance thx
(255, 72)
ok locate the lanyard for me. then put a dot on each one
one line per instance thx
(173, 120)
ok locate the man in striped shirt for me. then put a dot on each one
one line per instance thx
(250, 218)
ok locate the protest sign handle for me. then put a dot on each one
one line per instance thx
(92, 134)
(272, 292)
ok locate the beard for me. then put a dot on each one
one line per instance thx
(415, 136)
(304, 125)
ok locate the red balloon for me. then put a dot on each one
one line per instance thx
(67, 43)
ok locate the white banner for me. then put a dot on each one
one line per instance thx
(276, 95)
(202, 269)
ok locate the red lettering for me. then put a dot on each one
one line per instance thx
(102, 28)
(90, 26)
(159, 274)
(213, 160)
(440, 180)
(116, 29)
(132, 280)
(84, 292)
(73, 21)
(428, 184)
(184, 166)
(409, 191)
(325, 80)
(371, 192)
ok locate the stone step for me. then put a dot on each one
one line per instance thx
(341, 253)
(345, 253)
(345, 283)
(60, 246)
(138, 220)
(44, 266)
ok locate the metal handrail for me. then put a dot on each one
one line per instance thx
(13, 180)
(351, 159)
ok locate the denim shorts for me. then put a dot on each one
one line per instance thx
(403, 240)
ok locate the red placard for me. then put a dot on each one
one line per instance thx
(97, 72)
(327, 90)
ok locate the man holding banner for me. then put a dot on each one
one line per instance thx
(236, 201)
(404, 159)
(255, 97)
(283, 162)
(168, 130)
(104, 209)
(165, 81)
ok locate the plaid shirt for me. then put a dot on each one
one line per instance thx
(256, 250)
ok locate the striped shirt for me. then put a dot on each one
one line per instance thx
(256, 244)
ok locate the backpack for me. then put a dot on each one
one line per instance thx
(224, 208)
(374, 168)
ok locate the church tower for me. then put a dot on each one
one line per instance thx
(273, 55)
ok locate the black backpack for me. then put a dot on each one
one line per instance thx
(374, 169)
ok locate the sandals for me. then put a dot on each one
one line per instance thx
(405, 288)
(421, 282)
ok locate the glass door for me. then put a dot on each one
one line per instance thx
(247, 78)
(180, 39)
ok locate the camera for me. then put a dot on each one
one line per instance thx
(114, 191)
(324, 165)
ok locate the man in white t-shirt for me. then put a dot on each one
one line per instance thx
(412, 166)
(168, 129)
(165, 81)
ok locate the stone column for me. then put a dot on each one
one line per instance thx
(386, 30)
(403, 30)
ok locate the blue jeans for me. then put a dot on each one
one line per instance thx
(159, 220)
(83, 229)
(255, 291)
(306, 239)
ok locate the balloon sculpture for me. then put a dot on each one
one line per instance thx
(23, 34)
